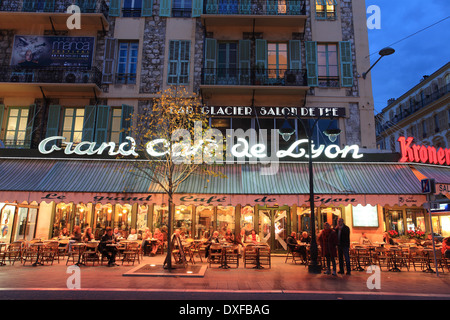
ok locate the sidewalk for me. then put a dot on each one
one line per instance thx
(281, 277)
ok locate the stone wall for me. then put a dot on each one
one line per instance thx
(348, 34)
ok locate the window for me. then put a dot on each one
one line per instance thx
(127, 62)
(73, 124)
(132, 8)
(326, 9)
(327, 62)
(277, 59)
(18, 133)
(181, 8)
(178, 72)
(436, 123)
(424, 129)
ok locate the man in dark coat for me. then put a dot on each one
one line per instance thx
(109, 251)
(328, 242)
(343, 235)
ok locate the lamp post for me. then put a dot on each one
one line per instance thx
(286, 131)
(383, 52)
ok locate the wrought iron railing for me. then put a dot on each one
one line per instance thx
(54, 6)
(264, 77)
(50, 75)
(255, 7)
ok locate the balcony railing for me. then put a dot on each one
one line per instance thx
(54, 6)
(255, 7)
(416, 106)
(254, 77)
(50, 75)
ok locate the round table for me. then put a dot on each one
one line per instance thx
(39, 245)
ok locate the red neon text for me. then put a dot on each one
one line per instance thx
(422, 154)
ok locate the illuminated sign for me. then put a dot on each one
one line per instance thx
(162, 147)
(273, 111)
(422, 154)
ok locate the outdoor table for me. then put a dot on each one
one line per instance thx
(427, 252)
(258, 262)
(39, 245)
(224, 264)
(79, 245)
(394, 250)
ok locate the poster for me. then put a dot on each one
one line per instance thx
(34, 51)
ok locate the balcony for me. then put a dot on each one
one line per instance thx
(255, 13)
(53, 13)
(251, 83)
(16, 79)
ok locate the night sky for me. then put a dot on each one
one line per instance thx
(419, 55)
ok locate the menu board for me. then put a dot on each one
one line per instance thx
(365, 216)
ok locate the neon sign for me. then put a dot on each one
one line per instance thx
(161, 147)
(422, 154)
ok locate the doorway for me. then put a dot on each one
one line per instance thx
(273, 224)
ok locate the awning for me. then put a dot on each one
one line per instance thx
(440, 174)
(111, 181)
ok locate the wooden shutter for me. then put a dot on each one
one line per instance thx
(114, 8)
(147, 8)
(165, 6)
(311, 63)
(295, 55)
(125, 121)
(30, 124)
(345, 52)
(102, 123)
(197, 8)
(108, 64)
(261, 53)
(54, 113)
(245, 6)
(210, 61)
(244, 61)
(2, 112)
(89, 123)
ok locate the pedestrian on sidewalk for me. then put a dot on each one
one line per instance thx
(328, 242)
(343, 235)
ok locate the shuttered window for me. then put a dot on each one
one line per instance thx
(109, 57)
(210, 61)
(19, 126)
(311, 63)
(73, 121)
(114, 8)
(147, 8)
(345, 52)
(54, 113)
(179, 52)
(102, 124)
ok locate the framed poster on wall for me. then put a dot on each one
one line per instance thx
(365, 216)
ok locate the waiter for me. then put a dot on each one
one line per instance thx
(343, 235)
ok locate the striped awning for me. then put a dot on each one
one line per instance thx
(84, 180)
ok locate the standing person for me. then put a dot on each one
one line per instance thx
(446, 248)
(328, 242)
(343, 237)
(109, 251)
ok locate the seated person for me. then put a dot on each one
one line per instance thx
(291, 242)
(253, 237)
(155, 244)
(146, 236)
(364, 240)
(133, 235)
(213, 239)
(229, 236)
(109, 251)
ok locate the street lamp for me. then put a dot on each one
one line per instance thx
(383, 52)
(286, 131)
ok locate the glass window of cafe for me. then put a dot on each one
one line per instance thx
(122, 218)
(327, 214)
(17, 222)
(183, 219)
(247, 216)
(210, 219)
(68, 215)
(103, 218)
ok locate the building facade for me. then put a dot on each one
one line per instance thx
(248, 60)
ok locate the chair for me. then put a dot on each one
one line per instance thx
(131, 253)
(415, 256)
(63, 247)
(293, 255)
(250, 255)
(439, 260)
(215, 254)
(196, 250)
(189, 252)
(91, 253)
(14, 252)
(76, 253)
(49, 252)
(233, 255)
(381, 257)
(30, 254)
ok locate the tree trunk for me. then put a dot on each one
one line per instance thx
(168, 261)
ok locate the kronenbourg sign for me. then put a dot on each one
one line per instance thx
(161, 147)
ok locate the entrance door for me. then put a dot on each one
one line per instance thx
(272, 227)
(227, 63)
